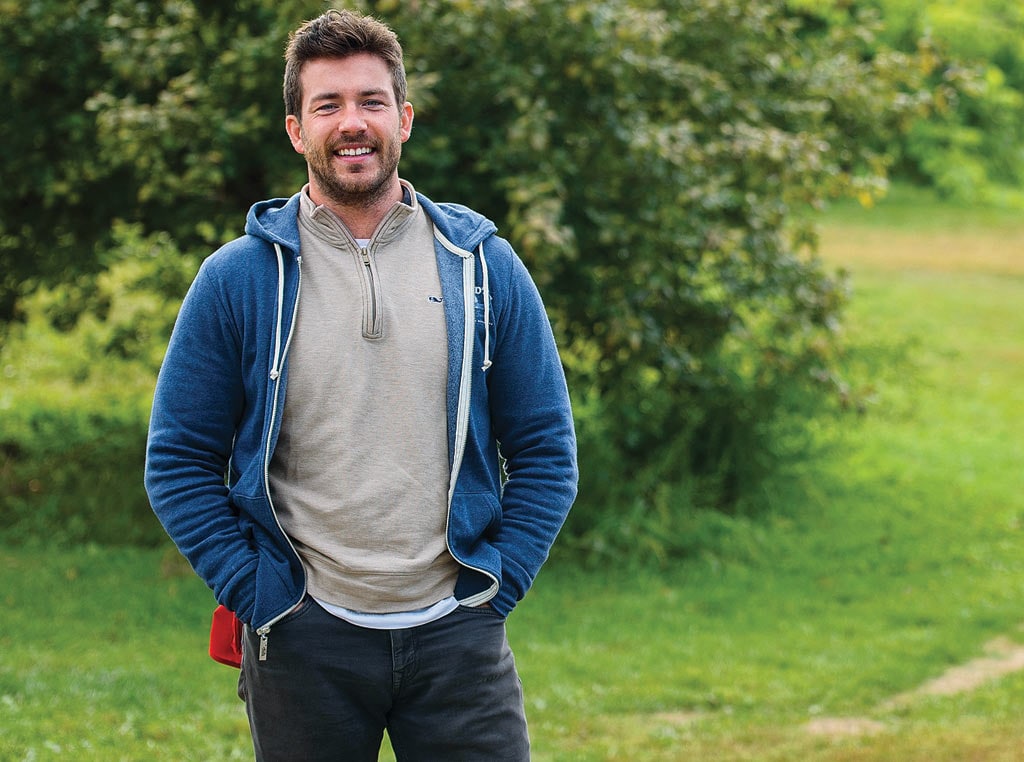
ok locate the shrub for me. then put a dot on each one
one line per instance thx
(657, 165)
(78, 376)
(970, 146)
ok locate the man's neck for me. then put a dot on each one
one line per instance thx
(361, 219)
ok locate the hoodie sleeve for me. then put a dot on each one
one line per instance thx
(197, 404)
(532, 421)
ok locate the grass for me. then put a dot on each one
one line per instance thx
(892, 555)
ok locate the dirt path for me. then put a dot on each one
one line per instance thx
(1002, 656)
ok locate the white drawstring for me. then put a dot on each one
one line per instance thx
(485, 290)
(275, 369)
(487, 309)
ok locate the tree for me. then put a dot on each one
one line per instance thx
(118, 110)
(56, 199)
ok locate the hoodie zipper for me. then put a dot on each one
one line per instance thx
(462, 409)
(275, 374)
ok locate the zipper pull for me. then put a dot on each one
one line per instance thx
(263, 632)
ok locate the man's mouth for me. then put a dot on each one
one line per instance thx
(357, 151)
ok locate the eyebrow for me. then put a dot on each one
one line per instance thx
(331, 96)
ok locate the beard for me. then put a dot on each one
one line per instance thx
(355, 186)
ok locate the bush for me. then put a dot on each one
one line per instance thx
(657, 164)
(78, 377)
(970, 146)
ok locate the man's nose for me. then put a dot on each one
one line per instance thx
(351, 120)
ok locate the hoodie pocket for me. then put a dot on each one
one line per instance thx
(474, 516)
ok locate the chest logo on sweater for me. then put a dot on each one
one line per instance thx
(435, 299)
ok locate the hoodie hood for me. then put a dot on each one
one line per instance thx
(459, 224)
(276, 221)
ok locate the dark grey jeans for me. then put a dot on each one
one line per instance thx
(446, 691)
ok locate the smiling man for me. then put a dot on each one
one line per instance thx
(326, 429)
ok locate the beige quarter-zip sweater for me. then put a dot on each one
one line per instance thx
(360, 474)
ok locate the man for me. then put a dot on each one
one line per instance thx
(324, 443)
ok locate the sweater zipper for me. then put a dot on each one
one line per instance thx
(371, 318)
(275, 374)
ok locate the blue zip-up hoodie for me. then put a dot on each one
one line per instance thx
(220, 397)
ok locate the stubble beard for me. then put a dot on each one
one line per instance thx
(347, 188)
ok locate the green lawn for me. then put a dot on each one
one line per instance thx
(890, 557)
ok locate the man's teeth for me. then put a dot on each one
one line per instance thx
(354, 151)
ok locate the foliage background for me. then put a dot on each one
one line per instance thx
(658, 164)
(972, 147)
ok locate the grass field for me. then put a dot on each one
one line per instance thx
(875, 613)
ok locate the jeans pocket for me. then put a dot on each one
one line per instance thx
(300, 609)
(486, 610)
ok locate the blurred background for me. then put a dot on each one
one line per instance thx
(781, 243)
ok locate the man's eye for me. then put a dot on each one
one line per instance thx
(373, 104)
(326, 107)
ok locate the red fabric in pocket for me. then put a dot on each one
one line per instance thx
(226, 637)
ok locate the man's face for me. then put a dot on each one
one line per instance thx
(350, 130)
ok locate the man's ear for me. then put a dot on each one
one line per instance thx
(406, 122)
(294, 129)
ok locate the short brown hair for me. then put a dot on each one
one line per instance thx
(338, 34)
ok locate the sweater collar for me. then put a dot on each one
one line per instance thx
(325, 224)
